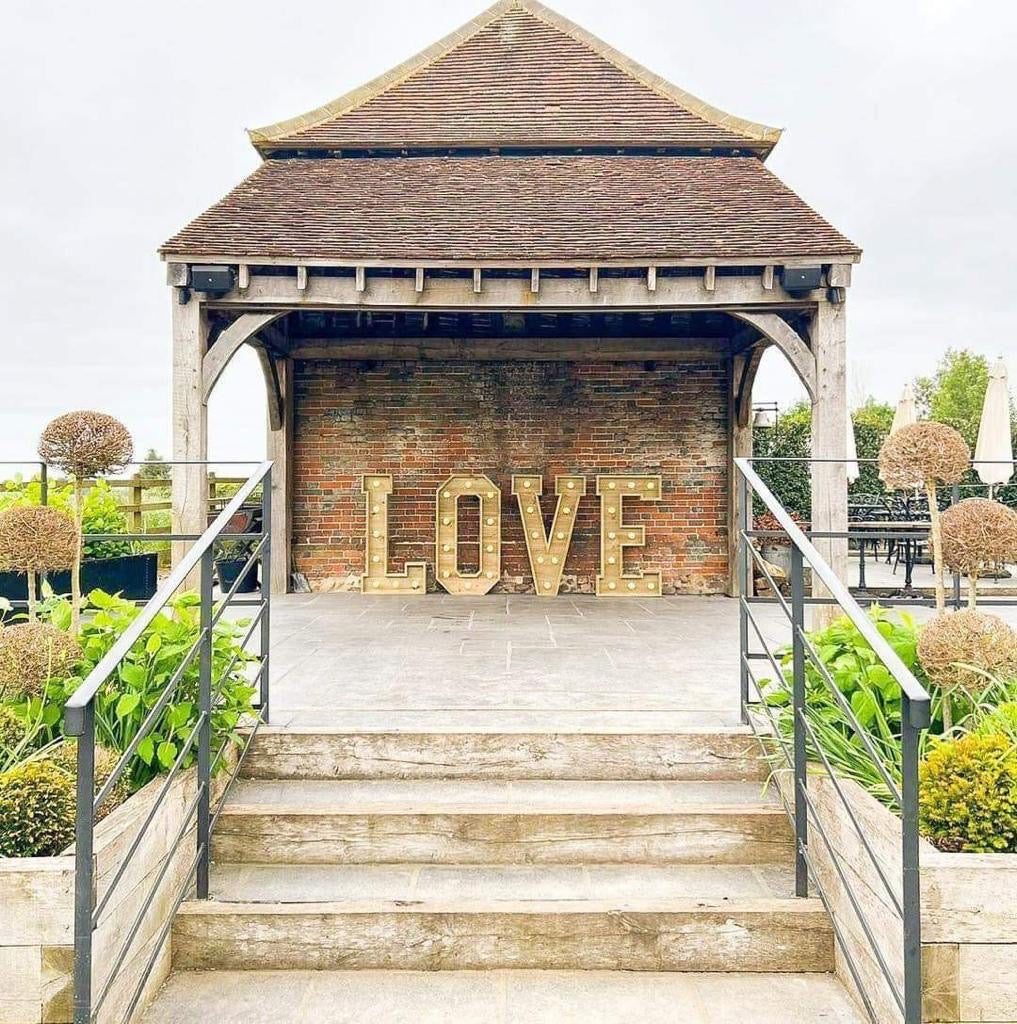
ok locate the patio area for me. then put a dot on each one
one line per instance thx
(505, 662)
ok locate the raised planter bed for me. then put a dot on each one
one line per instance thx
(969, 912)
(134, 577)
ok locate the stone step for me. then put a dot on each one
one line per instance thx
(494, 822)
(420, 883)
(499, 997)
(315, 753)
(676, 933)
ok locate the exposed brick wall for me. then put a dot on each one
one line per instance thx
(423, 421)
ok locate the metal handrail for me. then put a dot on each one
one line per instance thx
(916, 709)
(80, 721)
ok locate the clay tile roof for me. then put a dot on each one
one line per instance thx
(521, 209)
(517, 76)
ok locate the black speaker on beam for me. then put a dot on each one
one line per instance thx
(213, 280)
(801, 279)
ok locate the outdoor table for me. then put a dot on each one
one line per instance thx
(910, 527)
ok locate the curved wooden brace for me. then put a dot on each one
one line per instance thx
(786, 338)
(217, 358)
(743, 386)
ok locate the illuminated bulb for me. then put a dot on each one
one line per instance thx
(612, 510)
(490, 547)
(610, 485)
(571, 484)
(526, 483)
(610, 586)
(447, 521)
(611, 560)
(540, 559)
(469, 483)
(489, 575)
(529, 508)
(377, 558)
(490, 494)
(446, 547)
(376, 483)
(567, 511)
(446, 574)
(547, 584)
(611, 535)
(534, 534)
(650, 584)
(632, 586)
(376, 533)
(649, 485)
(554, 559)
(447, 494)
(490, 521)
(375, 509)
(560, 535)
(375, 584)
(632, 536)
(632, 483)
(415, 584)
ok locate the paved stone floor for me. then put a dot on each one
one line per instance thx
(508, 661)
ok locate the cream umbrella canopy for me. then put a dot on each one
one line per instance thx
(993, 459)
(905, 414)
(853, 472)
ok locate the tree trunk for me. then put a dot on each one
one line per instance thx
(32, 601)
(973, 590)
(79, 515)
(937, 545)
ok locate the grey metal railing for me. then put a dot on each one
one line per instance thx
(80, 716)
(904, 892)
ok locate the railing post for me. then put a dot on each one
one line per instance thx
(266, 588)
(911, 897)
(84, 867)
(798, 709)
(744, 589)
(205, 727)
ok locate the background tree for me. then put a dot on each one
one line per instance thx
(955, 393)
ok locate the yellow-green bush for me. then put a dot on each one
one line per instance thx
(65, 757)
(967, 790)
(12, 729)
(36, 810)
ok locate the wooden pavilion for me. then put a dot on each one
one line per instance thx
(517, 252)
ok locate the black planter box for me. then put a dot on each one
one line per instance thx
(134, 577)
(229, 569)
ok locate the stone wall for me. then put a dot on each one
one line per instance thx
(421, 421)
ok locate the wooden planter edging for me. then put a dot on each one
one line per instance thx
(37, 918)
(969, 913)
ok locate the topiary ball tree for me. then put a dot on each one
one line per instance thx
(962, 649)
(36, 539)
(31, 653)
(978, 533)
(926, 454)
(84, 444)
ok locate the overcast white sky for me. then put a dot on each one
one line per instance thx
(121, 121)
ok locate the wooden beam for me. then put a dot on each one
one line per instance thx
(710, 278)
(178, 274)
(360, 278)
(477, 280)
(273, 386)
(651, 278)
(507, 294)
(301, 278)
(243, 276)
(839, 275)
(665, 349)
(280, 451)
(593, 279)
(768, 277)
(419, 279)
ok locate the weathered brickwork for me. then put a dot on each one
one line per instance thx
(422, 421)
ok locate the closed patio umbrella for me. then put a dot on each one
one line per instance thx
(905, 414)
(994, 451)
(853, 471)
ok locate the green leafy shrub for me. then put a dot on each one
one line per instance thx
(866, 685)
(968, 794)
(36, 810)
(124, 702)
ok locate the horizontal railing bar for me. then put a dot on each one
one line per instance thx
(139, 537)
(757, 557)
(851, 462)
(148, 723)
(125, 861)
(85, 693)
(831, 774)
(920, 700)
(848, 891)
(139, 919)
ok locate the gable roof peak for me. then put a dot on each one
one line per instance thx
(496, 82)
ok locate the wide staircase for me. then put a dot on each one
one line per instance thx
(502, 877)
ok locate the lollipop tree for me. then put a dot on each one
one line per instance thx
(84, 444)
(36, 539)
(926, 455)
(978, 533)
